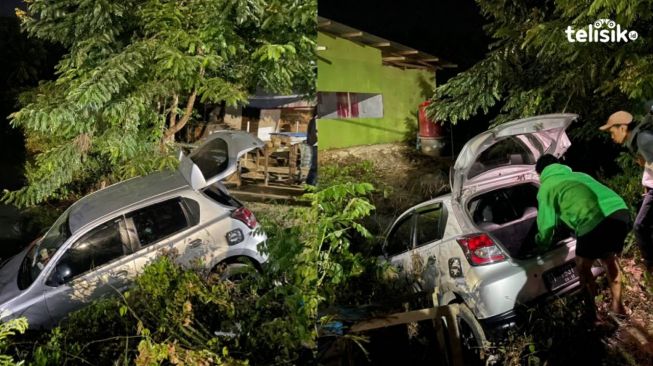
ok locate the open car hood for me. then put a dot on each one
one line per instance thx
(510, 147)
(216, 157)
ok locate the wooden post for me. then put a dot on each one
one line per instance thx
(292, 162)
(266, 152)
(448, 312)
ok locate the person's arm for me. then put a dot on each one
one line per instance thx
(645, 146)
(546, 223)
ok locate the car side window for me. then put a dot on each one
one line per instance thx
(401, 237)
(430, 223)
(96, 248)
(158, 221)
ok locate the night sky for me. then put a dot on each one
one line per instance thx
(7, 7)
(449, 29)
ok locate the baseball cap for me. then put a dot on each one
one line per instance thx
(617, 118)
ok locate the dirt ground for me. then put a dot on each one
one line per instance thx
(399, 166)
(402, 176)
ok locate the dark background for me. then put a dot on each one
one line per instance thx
(449, 29)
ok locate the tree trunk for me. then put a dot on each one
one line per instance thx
(169, 134)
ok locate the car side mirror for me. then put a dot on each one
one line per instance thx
(61, 274)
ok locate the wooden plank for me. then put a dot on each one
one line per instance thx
(394, 58)
(412, 66)
(323, 24)
(450, 312)
(351, 34)
(396, 319)
(408, 52)
(381, 44)
(426, 64)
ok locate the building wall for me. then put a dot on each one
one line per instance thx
(346, 66)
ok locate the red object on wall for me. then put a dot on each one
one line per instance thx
(427, 127)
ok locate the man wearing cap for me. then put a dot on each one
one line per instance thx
(638, 138)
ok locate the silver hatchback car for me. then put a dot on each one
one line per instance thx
(475, 246)
(105, 239)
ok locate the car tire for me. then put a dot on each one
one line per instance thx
(235, 270)
(472, 337)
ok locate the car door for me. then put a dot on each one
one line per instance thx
(168, 226)
(399, 242)
(430, 222)
(99, 263)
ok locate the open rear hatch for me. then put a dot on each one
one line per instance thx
(508, 150)
(216, 157)
(500, 162)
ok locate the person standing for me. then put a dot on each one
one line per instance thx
(311, 141)
(638, 138)
(599, 217)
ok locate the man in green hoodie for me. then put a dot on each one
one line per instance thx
(598, 216)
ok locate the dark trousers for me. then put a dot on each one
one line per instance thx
(311, 178)
(644, 228)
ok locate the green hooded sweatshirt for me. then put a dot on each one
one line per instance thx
(574, 198)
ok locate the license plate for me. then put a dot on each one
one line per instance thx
(560, 276)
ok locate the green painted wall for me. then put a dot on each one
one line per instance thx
(346, 66)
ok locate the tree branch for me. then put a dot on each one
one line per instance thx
(173, 111)
(175, 127)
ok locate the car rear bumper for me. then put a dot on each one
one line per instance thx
(496, 327)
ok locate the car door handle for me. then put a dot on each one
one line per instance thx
(122, 273)
(195, 243)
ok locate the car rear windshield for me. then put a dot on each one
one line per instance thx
(509, 151)
(41, 253)
(212, 157)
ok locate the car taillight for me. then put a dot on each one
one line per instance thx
(480, 249)
(246, 216)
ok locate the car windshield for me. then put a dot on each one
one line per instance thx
(39, 255)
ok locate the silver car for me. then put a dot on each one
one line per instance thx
(475, 246)
(105, 239)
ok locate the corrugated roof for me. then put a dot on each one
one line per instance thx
(393, 53)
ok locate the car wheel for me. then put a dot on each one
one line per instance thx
(472, 337)
(235, 271)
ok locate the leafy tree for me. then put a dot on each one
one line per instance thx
(532, 68)
(8, 329)
(132, 74)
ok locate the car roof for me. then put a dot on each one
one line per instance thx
(123, 194)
